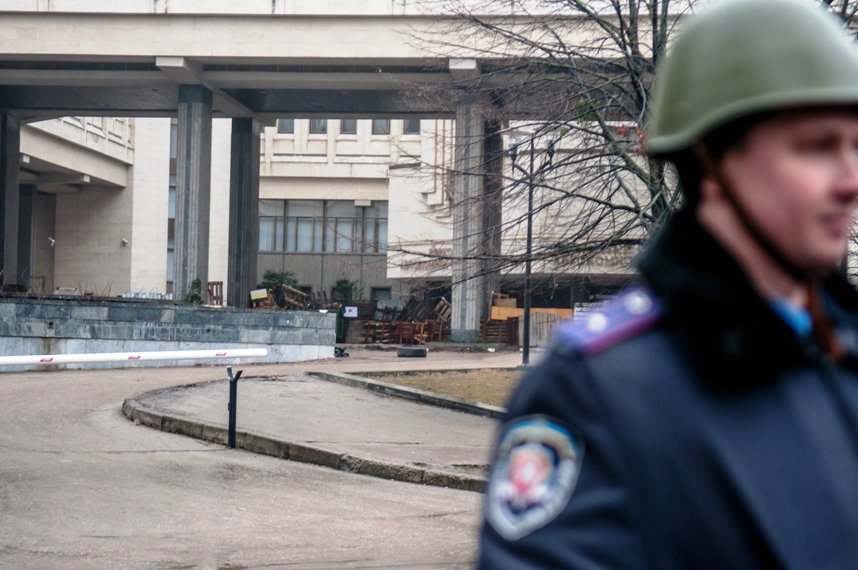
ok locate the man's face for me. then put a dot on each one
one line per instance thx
(797, 177)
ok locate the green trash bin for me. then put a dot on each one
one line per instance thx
(341, 324)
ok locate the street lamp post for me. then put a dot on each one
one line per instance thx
(531, 172)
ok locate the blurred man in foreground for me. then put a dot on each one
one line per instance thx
(709, 419)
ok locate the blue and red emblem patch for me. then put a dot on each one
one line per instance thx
(533, 477)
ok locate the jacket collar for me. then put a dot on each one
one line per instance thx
(730, 330)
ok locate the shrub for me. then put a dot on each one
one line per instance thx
(345, 290)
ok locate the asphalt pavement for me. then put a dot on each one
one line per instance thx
(326, 413)
(81, 486)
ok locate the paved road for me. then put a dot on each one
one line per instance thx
(82, 487)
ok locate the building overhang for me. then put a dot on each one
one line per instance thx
(261, 66)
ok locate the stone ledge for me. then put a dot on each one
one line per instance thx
(421, 396)
(265, 445)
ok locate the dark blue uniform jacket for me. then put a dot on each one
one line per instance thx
(710, 434)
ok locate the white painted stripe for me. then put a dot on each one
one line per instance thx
(133, 356)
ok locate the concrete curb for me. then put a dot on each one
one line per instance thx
(413, 394)
(139, 413)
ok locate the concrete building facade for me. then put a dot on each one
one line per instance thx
(334, 195)
(325, 211)
(355, 181)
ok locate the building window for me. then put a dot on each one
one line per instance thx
(374, 238)
(381, 126)
(171, 198)
(340, 224)
(411, 127)
(377, 294)
(318, 126)
(172, 206)
(286, 126)
(304, 219)
(271, 220)
(348, 126)
(171, 262)
(317, 226)
(174, 138)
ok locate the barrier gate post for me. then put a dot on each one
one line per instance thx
(233, 403)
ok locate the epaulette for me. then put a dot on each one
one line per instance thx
(628, 314)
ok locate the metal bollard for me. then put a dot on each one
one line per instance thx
(233, 403)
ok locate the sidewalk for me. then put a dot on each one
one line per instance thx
(350, 423)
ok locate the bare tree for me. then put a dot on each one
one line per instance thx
(845, 9)
(578, 72)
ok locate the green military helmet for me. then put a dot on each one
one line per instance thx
(742, 57)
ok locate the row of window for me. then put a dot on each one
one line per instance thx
(376, 294)
(322, 226)
(349, 126)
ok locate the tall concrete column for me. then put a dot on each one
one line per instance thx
(26, 235)
(492, 213)
(467, 295)
(193, 188)
(10, 162)
(243, 211)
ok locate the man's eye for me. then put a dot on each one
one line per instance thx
(817, 145)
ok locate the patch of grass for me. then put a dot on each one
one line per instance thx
(489, 386)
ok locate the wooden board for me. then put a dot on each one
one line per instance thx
(259, 294)
(503, 313)
(501, 300)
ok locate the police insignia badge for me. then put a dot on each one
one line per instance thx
(533, 477)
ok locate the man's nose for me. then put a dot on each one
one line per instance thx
(847, 181)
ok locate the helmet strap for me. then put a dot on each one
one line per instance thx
(823, 329)
(710, 169)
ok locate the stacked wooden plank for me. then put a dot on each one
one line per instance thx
(417, 323)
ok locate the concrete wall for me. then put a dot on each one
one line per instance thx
(150, 182)
(43, 253)
(415, 225)
(89, 254)
(420, 200)
(49, 326)
(335, 155)
(103, 136)
(271, 188)
(219, 202)
(80, 203)
(90, 222)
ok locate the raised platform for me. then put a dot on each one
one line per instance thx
(61, 326)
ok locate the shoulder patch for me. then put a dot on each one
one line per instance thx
(620, 318)
(533, 476)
